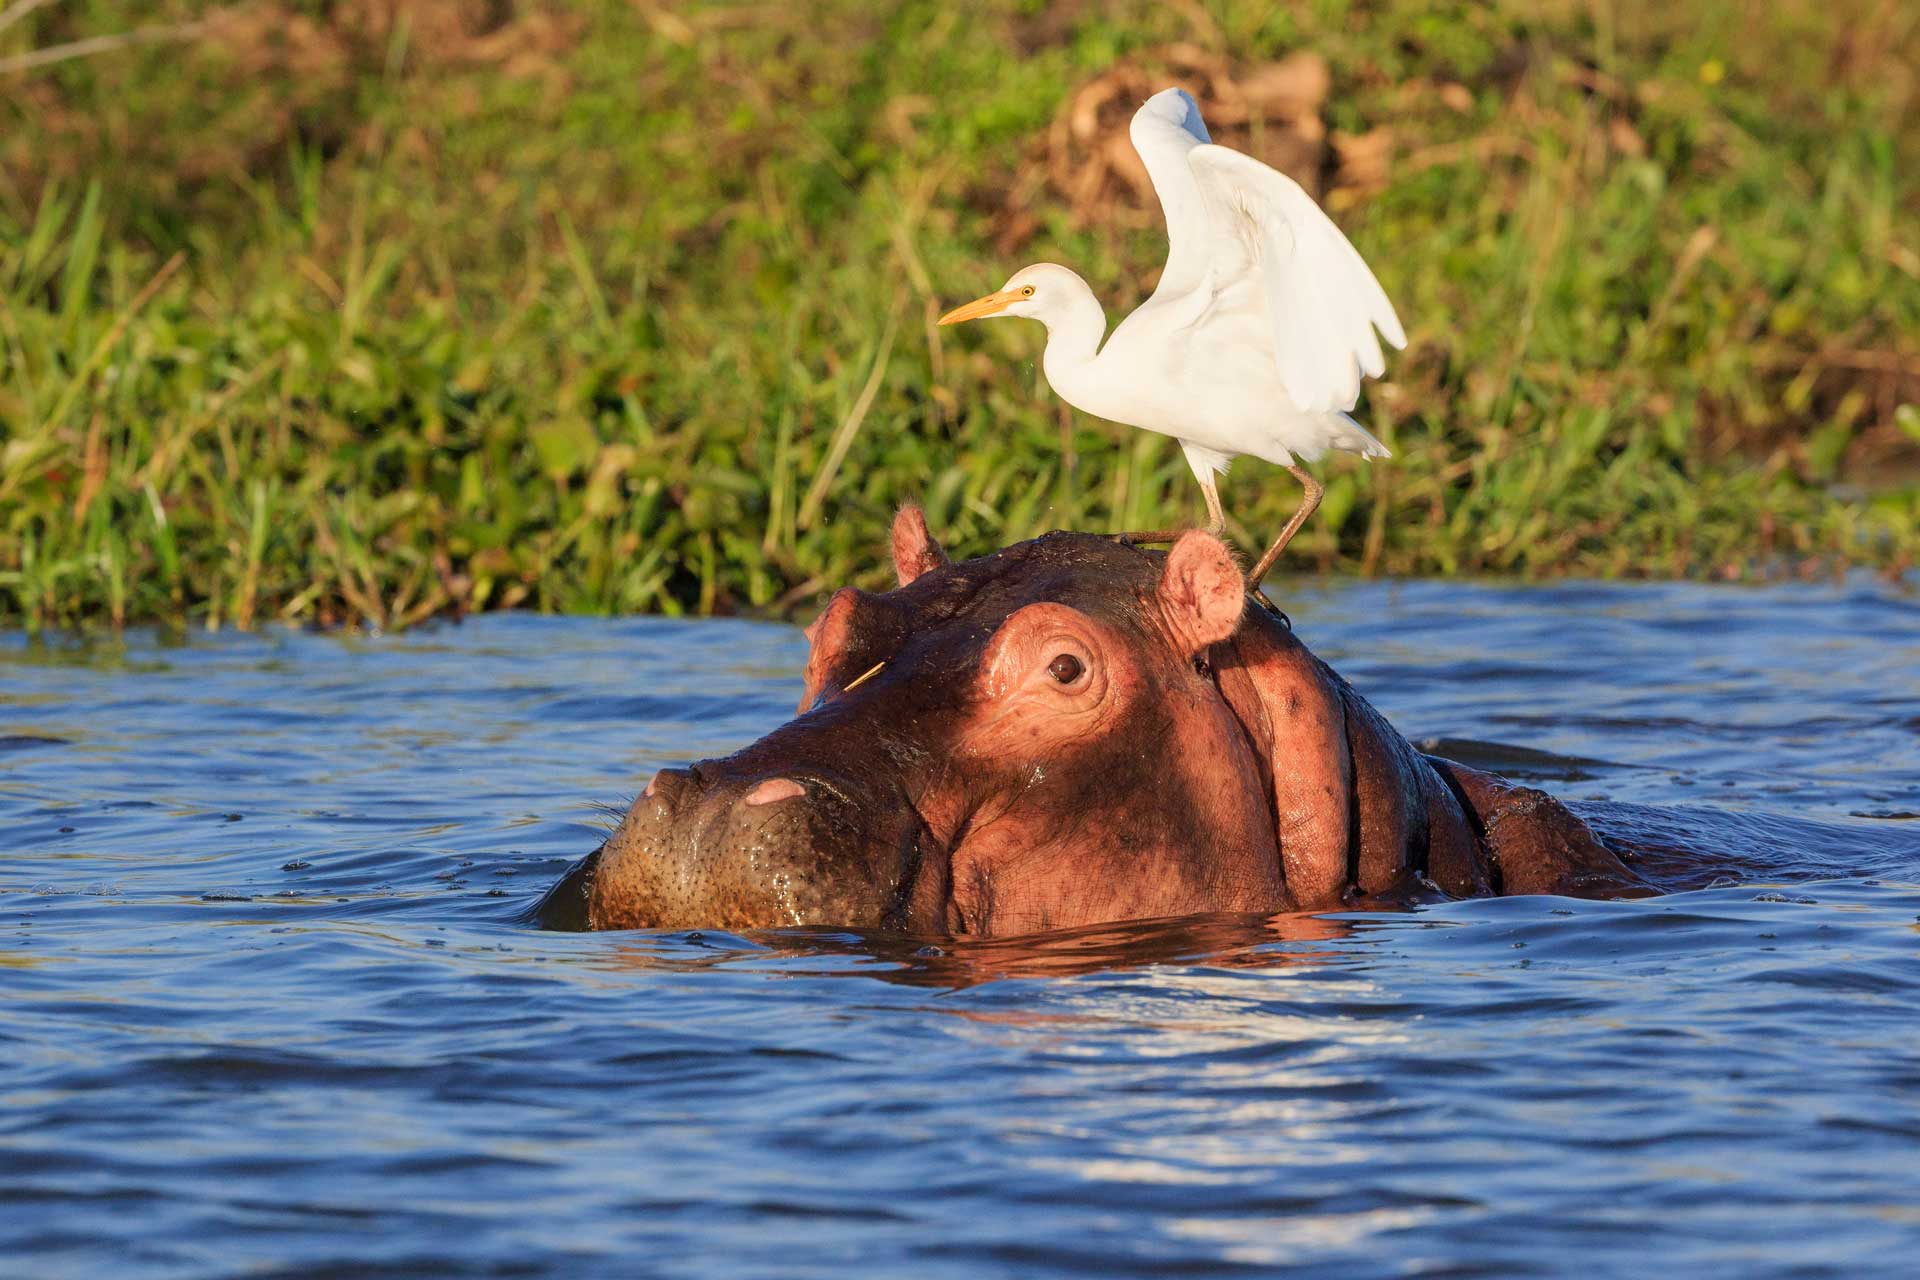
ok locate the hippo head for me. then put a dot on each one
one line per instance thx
(1025, 741)
(1066, 732)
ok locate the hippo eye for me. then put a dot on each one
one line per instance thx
(1202, 667)
(1065, 668)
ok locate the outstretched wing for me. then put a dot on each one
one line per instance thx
(1164, 130)
(1322, 301)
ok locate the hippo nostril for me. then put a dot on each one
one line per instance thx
(774, 790)
(666, 785)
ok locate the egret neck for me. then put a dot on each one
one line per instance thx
(1075, 324)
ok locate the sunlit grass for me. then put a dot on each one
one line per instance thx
(639, 316)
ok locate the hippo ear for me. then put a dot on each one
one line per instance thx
(828, 638)
(914, 550)
(1201, 591)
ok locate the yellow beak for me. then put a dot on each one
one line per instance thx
(989, 305)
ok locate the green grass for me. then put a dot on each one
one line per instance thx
(629, 306)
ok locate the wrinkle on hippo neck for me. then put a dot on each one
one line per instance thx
(1298, 725)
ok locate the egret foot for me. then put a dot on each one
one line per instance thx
(1146, 537)
(1216, 518)
(1156, 536)
(1272, 608)
(1314, 492)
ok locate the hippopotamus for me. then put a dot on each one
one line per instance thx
(1069, 731)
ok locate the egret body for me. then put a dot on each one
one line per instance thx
(1256, 338)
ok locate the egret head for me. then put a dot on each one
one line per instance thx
(1043, 292)
(1176, 107)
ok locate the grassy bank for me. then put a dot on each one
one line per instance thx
(362, 310)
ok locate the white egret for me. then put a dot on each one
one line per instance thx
(1256, 338)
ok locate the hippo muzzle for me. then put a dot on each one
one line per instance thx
(717, 846)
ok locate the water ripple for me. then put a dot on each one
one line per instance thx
(267, 1005)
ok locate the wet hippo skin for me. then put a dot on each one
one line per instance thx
(1068, 731)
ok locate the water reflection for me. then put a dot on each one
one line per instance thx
(1219, 940)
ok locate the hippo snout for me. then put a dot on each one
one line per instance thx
(668, 784)
(714, 846)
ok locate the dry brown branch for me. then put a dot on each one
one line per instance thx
(16, 12)
(1270, 110)
(96, 44)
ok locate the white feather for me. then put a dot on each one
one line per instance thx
(1164, 130)
(1322, 301)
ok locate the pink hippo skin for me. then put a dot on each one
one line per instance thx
(1066, 732)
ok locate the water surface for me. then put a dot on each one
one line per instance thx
(267, 1006)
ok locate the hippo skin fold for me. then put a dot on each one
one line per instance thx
(1066, 732)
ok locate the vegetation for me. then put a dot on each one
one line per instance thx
(362, 310)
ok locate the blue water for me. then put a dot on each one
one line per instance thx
(266, 1005)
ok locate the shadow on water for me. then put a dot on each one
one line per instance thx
(1218, 940)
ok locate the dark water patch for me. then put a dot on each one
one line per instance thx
(28, 741)
(1522, 764)
(642, 711)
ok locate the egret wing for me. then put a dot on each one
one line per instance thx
(1322, 302)
(1164, 130)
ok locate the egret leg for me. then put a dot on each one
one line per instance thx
(1216, 517)
(1314, 493)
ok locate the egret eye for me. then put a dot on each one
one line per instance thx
(1026, 291)
(1065, 668)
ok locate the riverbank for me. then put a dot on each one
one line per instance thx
(615, 308)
